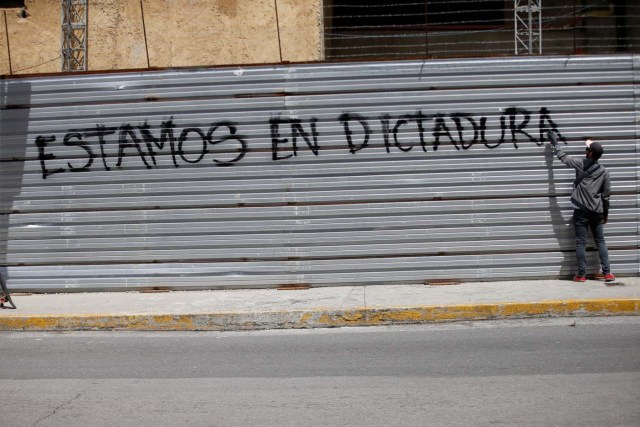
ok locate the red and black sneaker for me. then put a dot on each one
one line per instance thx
(609, 277)
(578, 278)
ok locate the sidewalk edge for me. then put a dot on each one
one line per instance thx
(320, 317)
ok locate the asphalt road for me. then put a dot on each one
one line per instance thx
(529, 373)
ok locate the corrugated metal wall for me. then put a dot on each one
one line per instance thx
(320, 174)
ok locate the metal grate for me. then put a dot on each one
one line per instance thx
(388, 29)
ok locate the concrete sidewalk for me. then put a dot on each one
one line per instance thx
(320, 307)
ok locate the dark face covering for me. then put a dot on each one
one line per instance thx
(588, 160)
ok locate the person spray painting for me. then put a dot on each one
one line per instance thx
(590, 202)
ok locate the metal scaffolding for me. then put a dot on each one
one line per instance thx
(74, 35)
(527, 31)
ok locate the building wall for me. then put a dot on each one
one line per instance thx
(179, 33)
(35, 40)
(132, 34)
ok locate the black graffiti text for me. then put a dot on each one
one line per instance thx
(296, 131)
(190, 146)
(462, 130)
(221, 144)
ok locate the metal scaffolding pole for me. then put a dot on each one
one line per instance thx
(527, 18)
(74, 35)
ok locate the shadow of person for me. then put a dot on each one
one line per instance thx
(562, 227)
(15, 102)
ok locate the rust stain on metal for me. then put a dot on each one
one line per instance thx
(155, 289)
(294, 287)
(442, 282)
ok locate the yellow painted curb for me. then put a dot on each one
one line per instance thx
(600, 307)
(320, 318)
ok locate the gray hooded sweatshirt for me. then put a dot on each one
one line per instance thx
(594, 189)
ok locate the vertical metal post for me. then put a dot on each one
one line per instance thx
(275, 6)
(6, 29)
(144, 32)
(426, 29)
(74, 35)
(539, 27)
(529, 21)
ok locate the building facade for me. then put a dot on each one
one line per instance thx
(255, 172)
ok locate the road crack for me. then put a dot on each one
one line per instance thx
(57, 408)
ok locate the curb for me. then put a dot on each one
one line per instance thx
(321, 317)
